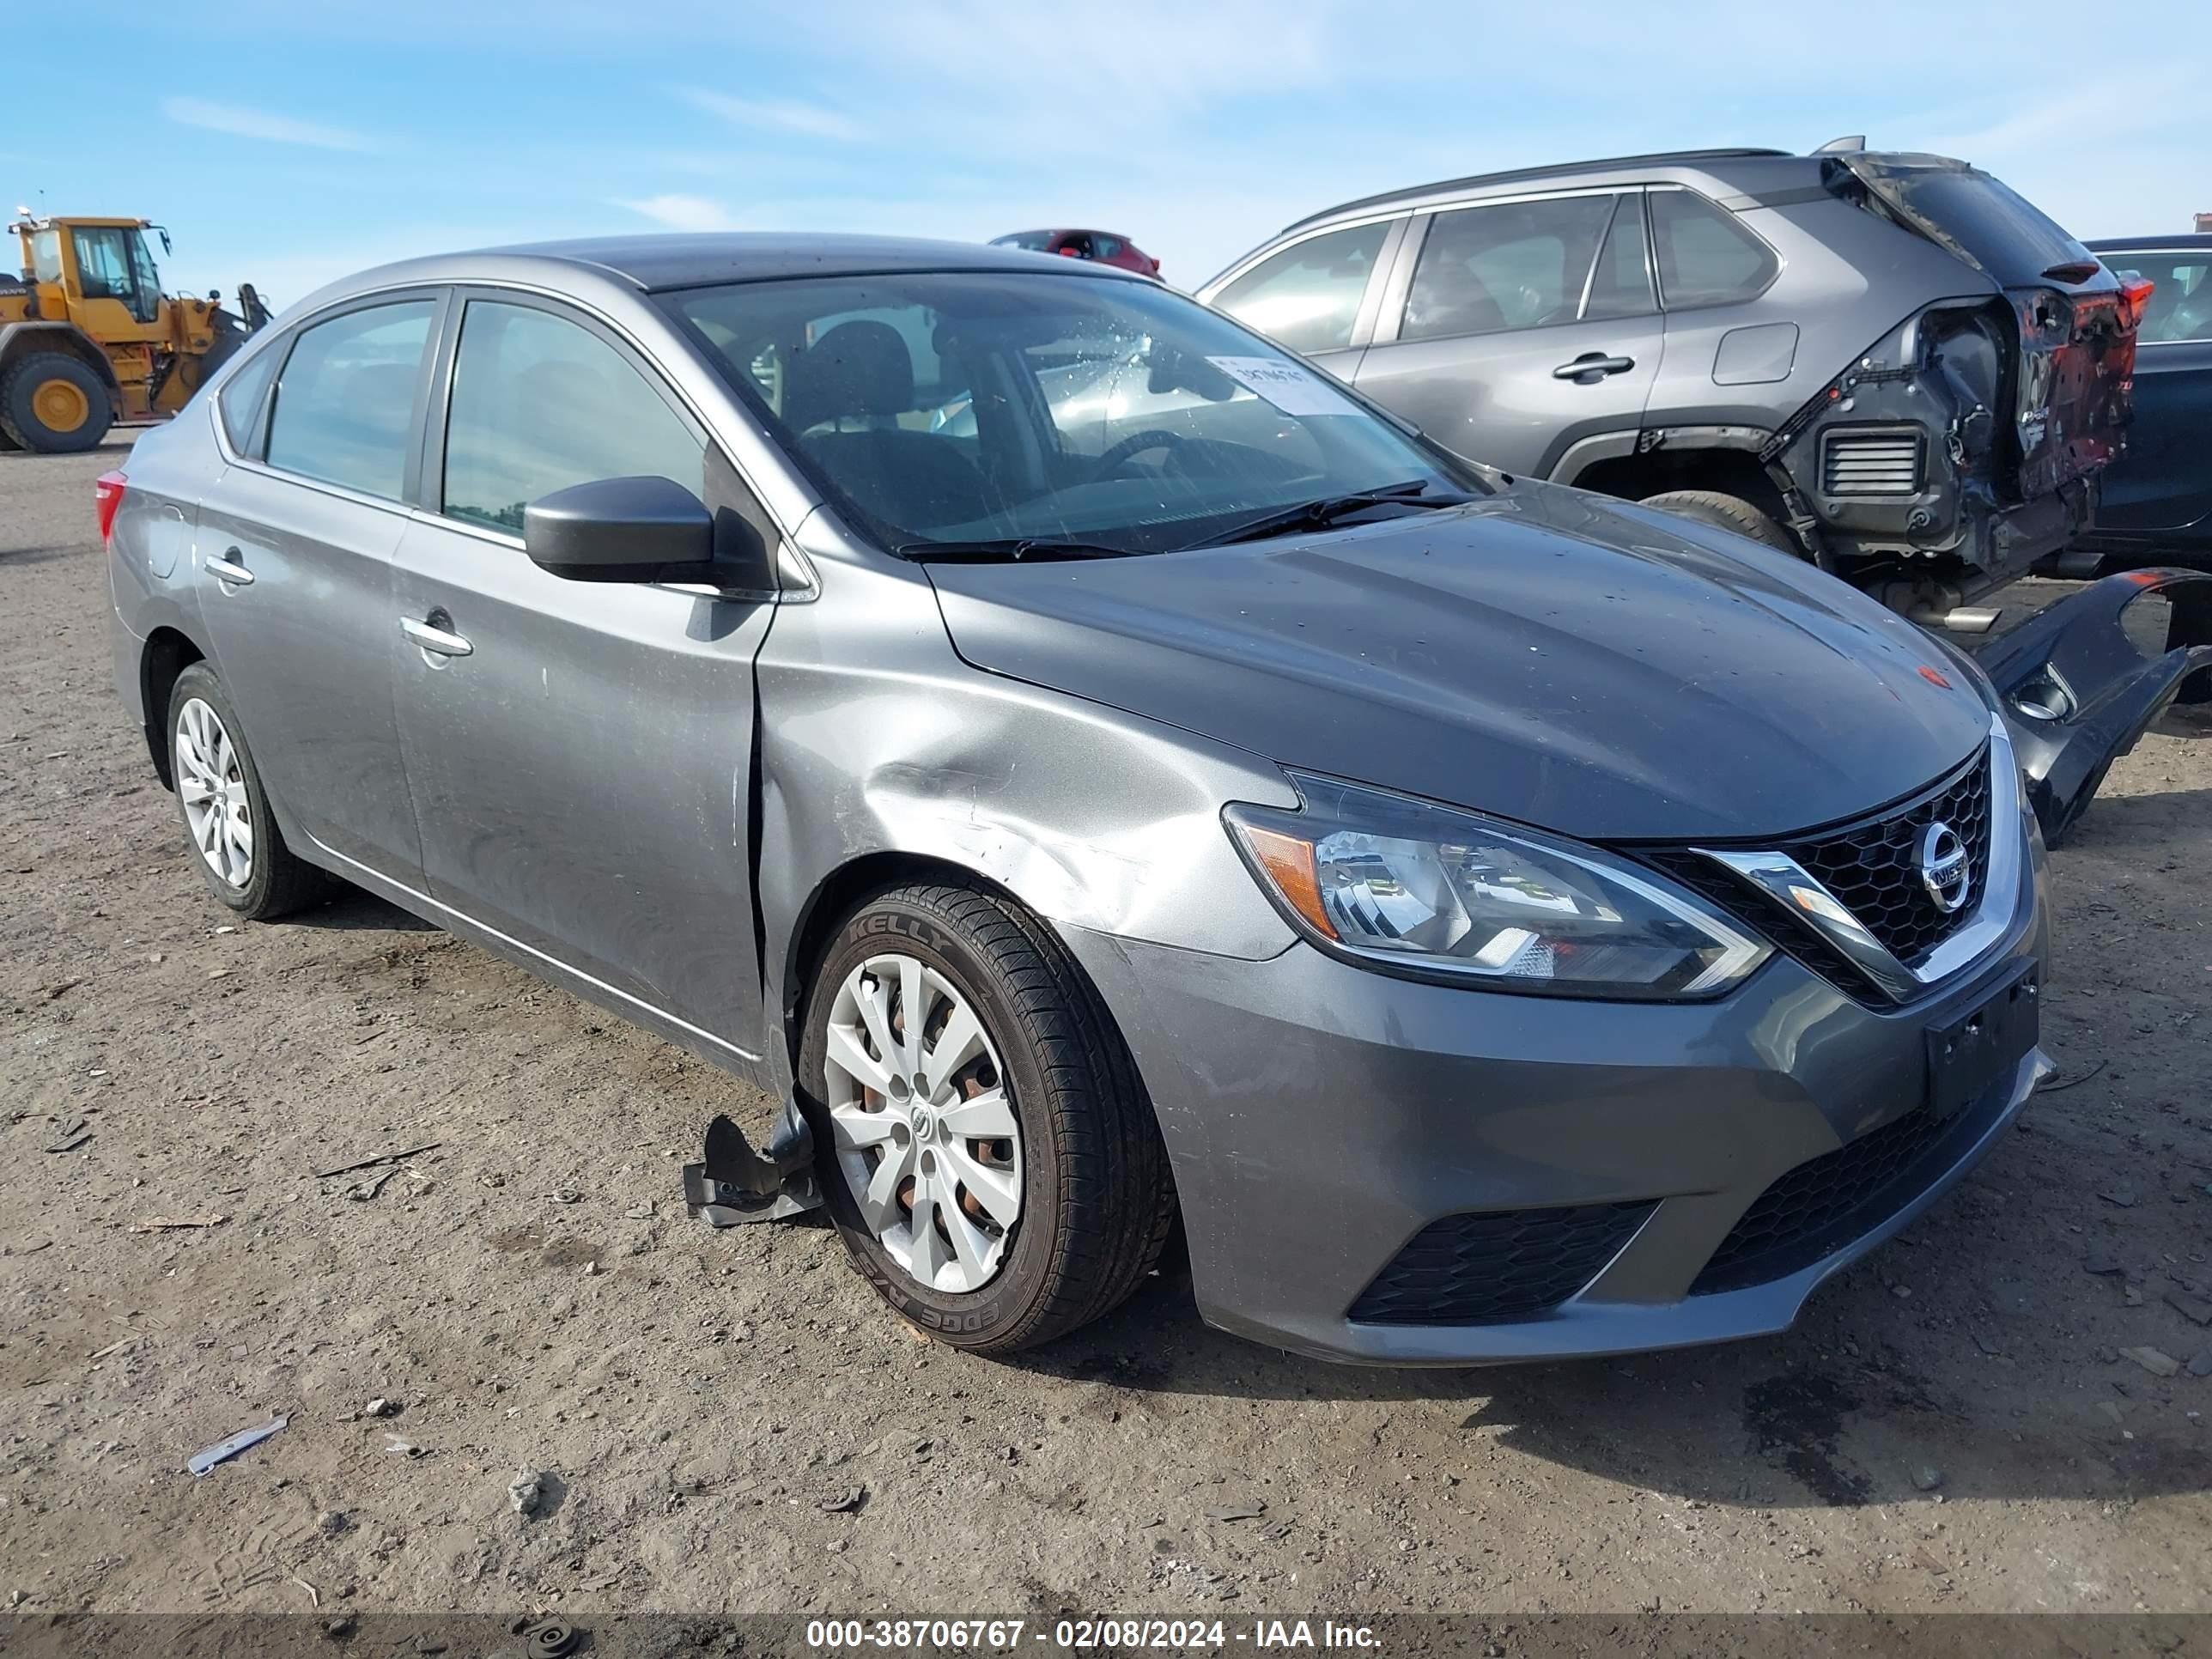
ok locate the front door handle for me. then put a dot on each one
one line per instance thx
(433, 633)
(1591, 367)
(228, 570)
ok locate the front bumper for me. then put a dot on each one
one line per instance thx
(1319, 1116)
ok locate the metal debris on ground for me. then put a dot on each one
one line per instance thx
(846, 1502)
(551, 1638)
(379, 1160)
(2056, 1084)
(1250, 1511)
(403, 1448)
(169, 1223)
(73, 1136)
(223, 1450)
(362, 1192)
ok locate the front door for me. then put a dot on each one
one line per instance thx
(1527, 327)
(579, 753)
(295, 553)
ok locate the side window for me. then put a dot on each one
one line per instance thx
(104, 269)
(239, 403)
(1307, 297)
(1516, 264)
(2181, 300)
(1621, 284)
(345, 398)
(540, 404)
(1706, 258)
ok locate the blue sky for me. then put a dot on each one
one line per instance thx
(287, 143)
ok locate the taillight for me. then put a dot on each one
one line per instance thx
(2135, 291)
(106, 497)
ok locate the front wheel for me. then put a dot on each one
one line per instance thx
(52, 404)
(984, 1145)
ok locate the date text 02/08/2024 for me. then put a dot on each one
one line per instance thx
(1008, 1635)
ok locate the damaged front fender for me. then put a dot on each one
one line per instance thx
(2078, 692)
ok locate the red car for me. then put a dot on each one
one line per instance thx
(1104, 246)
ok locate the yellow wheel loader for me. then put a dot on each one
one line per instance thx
(87, 338)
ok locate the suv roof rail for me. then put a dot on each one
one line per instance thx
(1518, 173)
(1848, 146)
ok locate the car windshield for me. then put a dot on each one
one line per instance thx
(1011, 409)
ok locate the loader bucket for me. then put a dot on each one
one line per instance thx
(2078, 693)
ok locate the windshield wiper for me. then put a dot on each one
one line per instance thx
(1016, 550)
(1321, 513)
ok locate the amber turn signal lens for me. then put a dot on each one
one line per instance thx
(1288, 863)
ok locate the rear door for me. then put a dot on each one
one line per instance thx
(579, 753)
(1317, 295)
(295, 548)
(2163, 480)
(1524, 328)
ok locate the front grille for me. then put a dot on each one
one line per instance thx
(1822, 1204)
(1883, 462)
(1486, 1269)
(1873, 868)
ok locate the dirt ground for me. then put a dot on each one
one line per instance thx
(727, 1421)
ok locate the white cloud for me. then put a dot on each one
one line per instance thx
(779, 114)
(680, 212)
(244, 123)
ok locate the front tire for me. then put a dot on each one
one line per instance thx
(1728, 513)
(225, 811)
(983, 1143)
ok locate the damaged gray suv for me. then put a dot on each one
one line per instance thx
(1093, 769)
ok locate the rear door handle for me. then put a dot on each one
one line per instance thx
(227, 568)
(435, 635)
(1592, 367)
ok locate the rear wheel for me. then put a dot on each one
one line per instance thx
(241, 851)
(1729, 513)
(54, 404)
(983, 1143)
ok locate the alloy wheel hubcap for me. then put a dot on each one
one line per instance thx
(924, 1132)
(211, 783)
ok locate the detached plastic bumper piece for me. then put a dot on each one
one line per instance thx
(2078, 693)
(733, 1183)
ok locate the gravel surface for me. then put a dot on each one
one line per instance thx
(590, 1402)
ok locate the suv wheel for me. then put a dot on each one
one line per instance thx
(1729, 513)
(241, 853)
(985, 1147)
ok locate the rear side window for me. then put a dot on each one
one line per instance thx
(1515, 264)
(1307, 297)
(345, 400)
(540, 403)
(2181, 302)
(1706, 258)
(240, 401)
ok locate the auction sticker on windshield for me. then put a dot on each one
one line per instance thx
(1293, 390)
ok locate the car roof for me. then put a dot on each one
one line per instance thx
(1687, 158)
(2187, 240)
(652, 263)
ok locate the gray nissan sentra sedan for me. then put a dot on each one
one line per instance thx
(1501, 921)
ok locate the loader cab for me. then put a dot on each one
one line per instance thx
(98, 273)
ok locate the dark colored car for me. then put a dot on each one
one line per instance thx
(1506, 922)
(2157, 497)
(1891, 364)
(1103, 246)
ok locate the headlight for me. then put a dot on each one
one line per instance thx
(1436, 892)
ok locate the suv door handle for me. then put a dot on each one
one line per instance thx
(435, 635)
(1591, 367)
(227, 568)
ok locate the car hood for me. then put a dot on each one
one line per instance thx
(1544, 654)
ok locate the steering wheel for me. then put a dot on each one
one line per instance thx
(1135, 444)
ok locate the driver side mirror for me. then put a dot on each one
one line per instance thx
(642, 530)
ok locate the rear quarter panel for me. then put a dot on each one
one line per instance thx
(153, 563)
